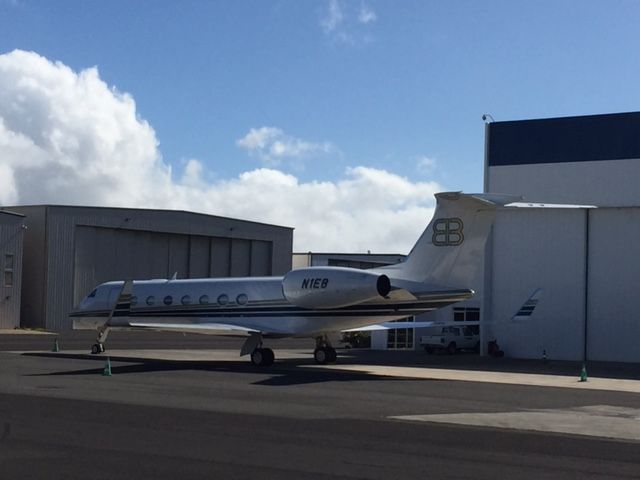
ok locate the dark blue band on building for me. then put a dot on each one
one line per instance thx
(569, 139)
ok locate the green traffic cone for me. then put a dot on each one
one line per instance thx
(56, 347)
(107, 368)
(583, 373)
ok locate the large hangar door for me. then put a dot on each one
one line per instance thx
(538, 248)
(104, 254)
(613, 331)
(199, 256)
(240, 257)
(261, 258)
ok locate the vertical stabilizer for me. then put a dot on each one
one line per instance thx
(451, 249)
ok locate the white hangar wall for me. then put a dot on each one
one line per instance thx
(598, 183)
(69, 250)
(534, 249)
(614, 266)
(586, 260)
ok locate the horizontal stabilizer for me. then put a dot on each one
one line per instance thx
(546, 205)
(409, 290)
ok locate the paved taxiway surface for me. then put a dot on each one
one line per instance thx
(219, 417)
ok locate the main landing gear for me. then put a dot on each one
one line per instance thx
(324, 352)
(98, 347)
(262, 357)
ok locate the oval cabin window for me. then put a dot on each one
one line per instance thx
(204, 299)
(242, 299)
(168, 300)
(223, 299)
(186, 300)
(151, 300)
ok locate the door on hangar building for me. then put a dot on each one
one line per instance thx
(105, 254)
(613, 327)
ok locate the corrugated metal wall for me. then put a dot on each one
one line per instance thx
(104, 254)
(72, 249)
(11, 245)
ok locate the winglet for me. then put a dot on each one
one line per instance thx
(123, 304)
(527, 308)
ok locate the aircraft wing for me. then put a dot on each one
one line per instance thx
(202, 328)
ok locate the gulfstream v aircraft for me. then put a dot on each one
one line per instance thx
(309, 302)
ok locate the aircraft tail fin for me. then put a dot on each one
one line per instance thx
(450, 250)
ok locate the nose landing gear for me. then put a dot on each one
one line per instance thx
(98, 347)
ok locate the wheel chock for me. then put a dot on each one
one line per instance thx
(583, 373)
(107, 368)
(56, 347)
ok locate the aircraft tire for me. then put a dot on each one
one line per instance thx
(268, 357)
(332, 355)
(97, 348)
(257, 357)
(262, 357)
(320, 355)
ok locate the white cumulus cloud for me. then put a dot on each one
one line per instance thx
(272, 145)
(67, 137)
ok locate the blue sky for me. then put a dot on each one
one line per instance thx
(396, 86)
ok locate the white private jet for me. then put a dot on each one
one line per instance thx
(309, 302)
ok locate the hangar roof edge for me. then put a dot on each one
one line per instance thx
(9, 212)
(569, 117)
(51, 205)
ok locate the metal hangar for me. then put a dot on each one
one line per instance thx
(586, 260)
(71, 249)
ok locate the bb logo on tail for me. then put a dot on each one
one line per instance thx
(447, 232)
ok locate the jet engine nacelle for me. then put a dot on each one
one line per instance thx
(333, 287)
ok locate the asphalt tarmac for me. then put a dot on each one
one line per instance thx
(180, 413)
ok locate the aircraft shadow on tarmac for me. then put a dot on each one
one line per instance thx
(283, 373)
